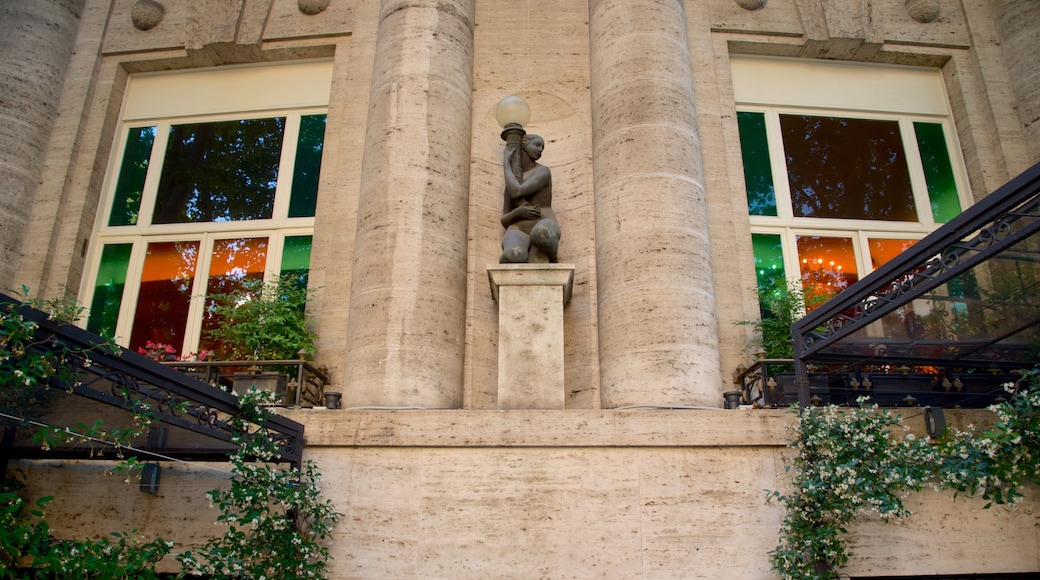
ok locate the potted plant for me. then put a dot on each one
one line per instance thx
(262, 321)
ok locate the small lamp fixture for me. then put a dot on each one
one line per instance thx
(150, 474)
(934, 422)
(512, 113)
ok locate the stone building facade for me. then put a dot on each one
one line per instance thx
(642, 475)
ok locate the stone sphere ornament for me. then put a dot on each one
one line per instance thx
(923, 11)
(146, 14)
(312, 7)
(751, 4)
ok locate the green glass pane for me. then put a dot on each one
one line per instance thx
(308, 165)
(847, 168)
(127, 203)
(769, 259)
(758, 173)
(221, 171)
(108, 289)
(296, 256)
(938, 171)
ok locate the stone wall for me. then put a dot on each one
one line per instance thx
(574, 494)
(36, 41)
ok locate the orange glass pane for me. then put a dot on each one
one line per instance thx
(828, 266)
(165, 295)
(881, 251)
(233, 264)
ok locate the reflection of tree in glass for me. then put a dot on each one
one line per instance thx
(847, 168)
(220, 171)
(758, 174)
(237, 265)
(132, 172)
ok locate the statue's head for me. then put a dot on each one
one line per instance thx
(533, 145)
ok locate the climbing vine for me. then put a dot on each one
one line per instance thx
(854, 462)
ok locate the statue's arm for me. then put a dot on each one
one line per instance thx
(521, 212)
(535, 182)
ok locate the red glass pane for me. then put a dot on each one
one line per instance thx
(165, 295)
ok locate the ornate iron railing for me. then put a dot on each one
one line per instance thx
(124, 382)
(967, 296)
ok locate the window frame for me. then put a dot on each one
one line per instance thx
(203, 95)
(907, 95)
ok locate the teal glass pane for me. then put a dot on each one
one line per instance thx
(758, 173)
(296, 257)
(220, 171)
(308, 165)
(938, 171)
(129, 187)
(108, 289)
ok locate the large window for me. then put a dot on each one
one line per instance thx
(213, 182)
(846, 166)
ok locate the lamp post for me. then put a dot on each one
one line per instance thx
(512, 113)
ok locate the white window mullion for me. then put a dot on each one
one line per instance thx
(918, 183)
(151, 181)
(131, 290)
(778, 165)
(286, 165)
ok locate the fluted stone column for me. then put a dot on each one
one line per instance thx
(1018, 25)
(657, 329)
(405, 336)
(36, 42)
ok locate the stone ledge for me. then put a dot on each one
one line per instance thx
(568, 428)
(541, 428)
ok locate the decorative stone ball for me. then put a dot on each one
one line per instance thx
(751, 4)
(923, 11)
(146, 14)
(312, 7)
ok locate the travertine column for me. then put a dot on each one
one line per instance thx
(1018, 26)
(406, 332)
(657, 328)
(36, 41)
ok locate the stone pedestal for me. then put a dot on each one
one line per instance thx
(530, 300)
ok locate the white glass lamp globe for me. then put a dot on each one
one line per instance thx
(512, 110)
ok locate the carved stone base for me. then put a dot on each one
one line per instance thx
(530, 300)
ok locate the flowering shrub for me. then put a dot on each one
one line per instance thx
(848, 463)
(158, 351)
(277, 523)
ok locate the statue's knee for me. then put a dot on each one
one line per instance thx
(545, 235)
(513, 255)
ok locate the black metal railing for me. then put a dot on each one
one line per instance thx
(772, 383)
(116, 383)
(297, 381)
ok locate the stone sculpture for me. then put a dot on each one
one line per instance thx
(532, 233)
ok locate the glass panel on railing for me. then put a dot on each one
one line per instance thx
(126, 204)
(108, 289)
(165, 295)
